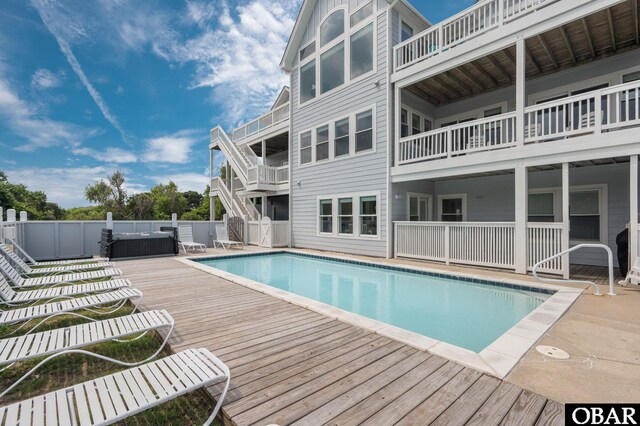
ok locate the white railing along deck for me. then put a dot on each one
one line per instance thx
(471, 22)
(270, 119)
(477, 243)
(268, 175)
(604, 110)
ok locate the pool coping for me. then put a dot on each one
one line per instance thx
(497, 359)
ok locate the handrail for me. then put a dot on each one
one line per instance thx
(261, 123)
(597, 292)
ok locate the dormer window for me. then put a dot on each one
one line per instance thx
(332, 27)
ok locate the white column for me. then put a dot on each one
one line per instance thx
(397, 127)
(212, 208)
(264, 152)
(565, 220)
(110, 221)
(264, 206)
(521, 219)
(521, 70)
(633, 210)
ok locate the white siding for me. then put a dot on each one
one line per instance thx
(356, 174)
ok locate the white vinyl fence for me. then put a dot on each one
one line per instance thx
(489, 244)
(268, 233)
(73, 239)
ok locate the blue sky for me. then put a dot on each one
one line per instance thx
(88, 87)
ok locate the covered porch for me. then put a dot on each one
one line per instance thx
(514, 218)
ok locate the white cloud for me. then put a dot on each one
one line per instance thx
(59, 24)
(185, 181)
(109, 155)
(175, 148)
(64, 186)
(25, 121)
(45, 79)
(239, 57)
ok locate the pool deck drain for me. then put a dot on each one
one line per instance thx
(291, 364)
(553, 352)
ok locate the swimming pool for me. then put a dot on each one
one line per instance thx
(465, 312)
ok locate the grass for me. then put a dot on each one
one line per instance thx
(193, 408)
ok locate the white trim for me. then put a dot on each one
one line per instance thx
(419, 195)
(462, 196)
(332, 129)
(355, 199)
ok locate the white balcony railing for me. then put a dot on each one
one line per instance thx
(478, 135)
(604, 110)
(268, 175)
(489, 244)
(462, 27)
(270, 119)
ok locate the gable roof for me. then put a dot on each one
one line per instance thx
(283, 98)
(306, 10)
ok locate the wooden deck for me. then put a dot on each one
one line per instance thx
(290, 365)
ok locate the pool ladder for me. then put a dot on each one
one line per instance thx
(597, 292)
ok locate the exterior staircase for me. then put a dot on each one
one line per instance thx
(234, 204)
(241, 157)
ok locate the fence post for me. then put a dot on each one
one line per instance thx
(23, 216)
(225, 219)
(245, 229)
(447, 244)
(1, 225)
(174, 220)
(109, 221)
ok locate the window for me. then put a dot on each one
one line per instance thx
(452, 208)
(585, 215)
(418, 210)
(492, 112)
(362, 14)
(416, 122)
(362, 51)
(345, 215)
(341, 142)
(353, 215)
(308, 81)
(322, 143)
(305, 148)
(340, 138)
(326, 216)
(428, 125)
(404, 123)
(406, 32)
(632, 76)
(332, 68)
(364, 131)
(343, 50)
(307, 51)
(541, 207)
(368, 216)
(332, 27)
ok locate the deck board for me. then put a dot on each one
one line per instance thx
(289, 364)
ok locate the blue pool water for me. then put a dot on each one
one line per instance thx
(463, 313)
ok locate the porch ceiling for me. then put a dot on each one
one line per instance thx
(275, 145)
(546, 167)
(602, 34)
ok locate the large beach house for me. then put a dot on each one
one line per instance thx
(498, 137)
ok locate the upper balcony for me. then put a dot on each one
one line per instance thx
(276, 120)
(605, 119)
(479, 19)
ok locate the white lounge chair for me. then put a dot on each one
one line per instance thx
(30, 260)
(10, 297)
(185, 234)
(19, 281)
(26, 269)
(102, 303)
(54, 343)
(633, 274)
(112, 398)
(222, 238)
